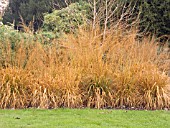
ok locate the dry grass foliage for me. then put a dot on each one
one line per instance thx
(78, 71)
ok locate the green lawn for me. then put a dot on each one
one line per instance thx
(83, 118)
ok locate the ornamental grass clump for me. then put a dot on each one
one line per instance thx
(15, 88)
(84, 71)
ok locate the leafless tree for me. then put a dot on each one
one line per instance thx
(112, 13)
(109, 14)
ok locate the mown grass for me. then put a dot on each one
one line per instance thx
(83, 118)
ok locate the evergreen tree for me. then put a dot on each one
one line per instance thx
(29, 10)
(155, 18)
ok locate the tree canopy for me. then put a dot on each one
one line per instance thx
(154, 15)
(29, 10)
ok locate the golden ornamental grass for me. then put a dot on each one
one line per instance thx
(80, 71)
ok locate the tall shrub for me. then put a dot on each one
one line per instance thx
(67, 19)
